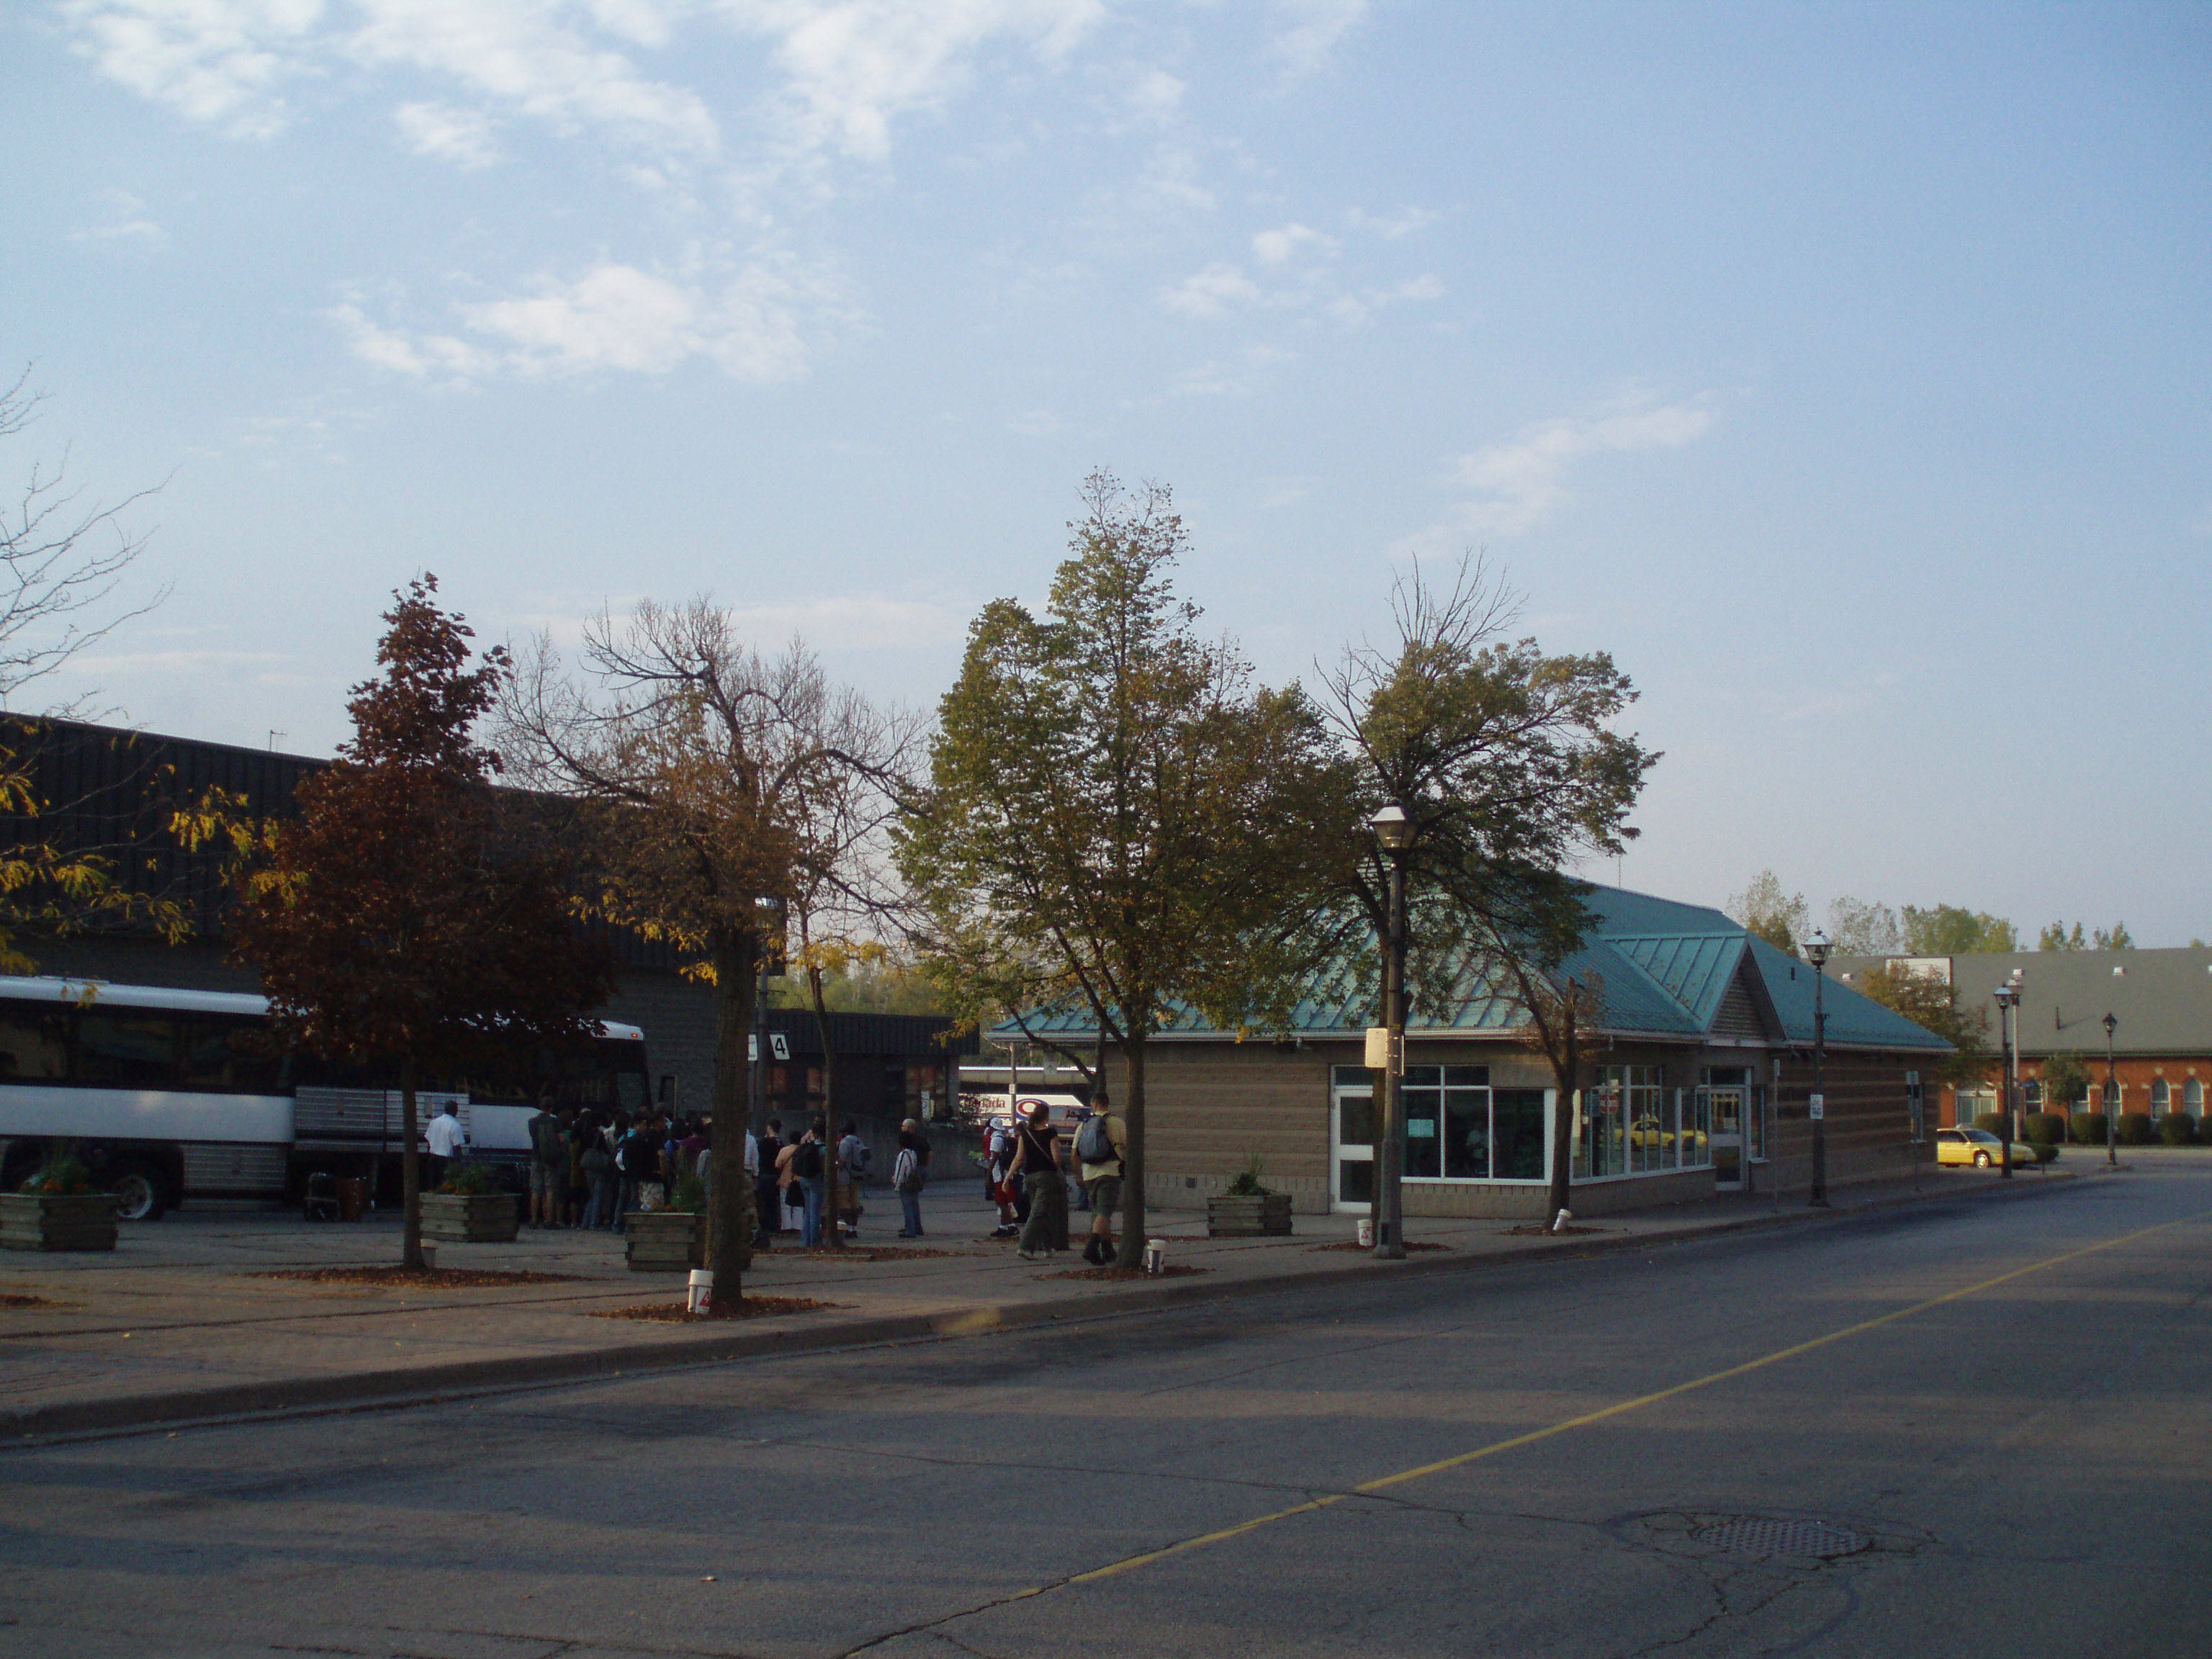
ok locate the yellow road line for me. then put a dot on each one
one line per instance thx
(1383, 1482)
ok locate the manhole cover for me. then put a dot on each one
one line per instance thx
(1762, 1535)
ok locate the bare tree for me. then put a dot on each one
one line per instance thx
(63, 560)
(694, 759)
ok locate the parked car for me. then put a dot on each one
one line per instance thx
(1979, 1148)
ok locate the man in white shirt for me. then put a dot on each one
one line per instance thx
(446, 1137)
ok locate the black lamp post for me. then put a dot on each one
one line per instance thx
(1816, 952)
(2111, 1096)
(1393, 828)
(2007, 998)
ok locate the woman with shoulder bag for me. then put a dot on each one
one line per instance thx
(909, 1175)
(1036, 1162)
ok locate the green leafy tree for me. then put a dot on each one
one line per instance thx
(403, 919)
(2117, 937)
(2054, 937)
(1948, 930)
(2065, 1081)
(1927, 1001)
(1117, 823)
(1858, 927)
(1506, 760)
(1765, 908)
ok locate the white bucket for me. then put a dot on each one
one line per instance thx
(430, 1255)
(699, 1295)
(1561, 1221)
(1366, 1232)
(1156, 1256)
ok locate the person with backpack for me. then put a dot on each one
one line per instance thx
(1102, 1146)
(909, 1175)
(853, 1156)
(598, 1164)
(549, 1166)
(638, 1159)
(807, 1165)
(1036, 1164)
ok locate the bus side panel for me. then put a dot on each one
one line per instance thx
(29, 1109)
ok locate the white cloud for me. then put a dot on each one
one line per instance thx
(1157, 96)
(211, 60)
(1355, 309)
(1396, 226)
(1212, 293)
(123, 219)
(1275, 247)
(855, 621)
(1215, 380)
(618, 318)
(1520, 483)
(463, 136)
(1307, 30)
(852, 67)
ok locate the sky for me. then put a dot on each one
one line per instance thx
(1842, 370)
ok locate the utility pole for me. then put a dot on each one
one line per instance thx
(2111, 1098)
(2007, 996)
(1393, 827)
(1816, 952)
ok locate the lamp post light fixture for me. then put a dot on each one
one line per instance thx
(1393, 828)
(1816, 952)
(2111, 1098)
(2007, 999)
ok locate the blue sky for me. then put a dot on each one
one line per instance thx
(1842, 370)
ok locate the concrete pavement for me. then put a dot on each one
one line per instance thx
(182, 1321)
(1989, 1414)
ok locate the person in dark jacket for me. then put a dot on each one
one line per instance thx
(767, 1196)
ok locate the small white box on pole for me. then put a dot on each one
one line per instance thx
(1820, 1105)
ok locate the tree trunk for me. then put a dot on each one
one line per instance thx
(1563, 1140)
(411, 1171)
(1132, 1162)
(729, 1234)
(829, 1160)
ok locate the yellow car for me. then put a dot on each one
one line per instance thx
(1979, 1148)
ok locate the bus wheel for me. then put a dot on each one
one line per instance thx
(139, 1193)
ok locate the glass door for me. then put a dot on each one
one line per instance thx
(1727, 1107)
(1352, 1139)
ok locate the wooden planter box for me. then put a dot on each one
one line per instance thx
(471, 1218)
(665, 1241)
(55, 1221)
(1267, 1215)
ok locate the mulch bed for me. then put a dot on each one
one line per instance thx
(417, 1278)
(1537, 1230)
(11, 1300)
(751, 1306)
(1369, 1249)
(1173, 1270)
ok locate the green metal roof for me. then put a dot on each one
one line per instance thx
(1666, 968)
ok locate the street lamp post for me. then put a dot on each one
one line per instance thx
(1816, 952)
(2111, 1098)
(1393, 828)
(2007, 998)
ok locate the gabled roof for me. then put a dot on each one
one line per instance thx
(1666, 968)
(2162, 1000)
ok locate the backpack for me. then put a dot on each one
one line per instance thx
(546, 1139)
(910, 1175)
(806, 1162)
(1094, 1142)
(857, 1164)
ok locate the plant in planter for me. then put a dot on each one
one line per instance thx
(1249, 1209)
(674, 1237)
(468, 1208)
(58, 1210)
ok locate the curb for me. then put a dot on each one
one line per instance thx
(403, 1385)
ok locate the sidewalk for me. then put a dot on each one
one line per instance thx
(178, 1323)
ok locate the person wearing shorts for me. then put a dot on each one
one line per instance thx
(1103, 1182)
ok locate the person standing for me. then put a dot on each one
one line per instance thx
(445, 1138)
(803, 1166)
(549, 1165)
(637, 1158)
(852, 1165)
(1101, 1148)
(598, 1164)
(909, 1175)
(1036, 1162)
(767, 1191)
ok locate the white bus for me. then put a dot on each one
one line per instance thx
(155, 1091)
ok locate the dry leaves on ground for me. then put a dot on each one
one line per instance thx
(1173, 1270)
(11, 1300)
(1369, 1249)
(751, 1306)
(1537, 1230)
(417, 1279)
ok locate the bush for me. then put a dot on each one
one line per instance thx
(470, 1181)
(1248, 1183)
(2046, 1128)
(2178, 1129)
(2088, 1128)
(58, 1176)
(689, 1193)
(1991, 1124)
(2044, 1151)
(2134, 1129)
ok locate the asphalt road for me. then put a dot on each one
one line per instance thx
(2001, 1409)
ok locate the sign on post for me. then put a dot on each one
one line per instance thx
(1386, 1052)
(1819, 1104)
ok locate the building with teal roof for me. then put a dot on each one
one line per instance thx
(1697, 1081)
